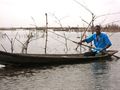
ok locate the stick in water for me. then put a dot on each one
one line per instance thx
(116, 56)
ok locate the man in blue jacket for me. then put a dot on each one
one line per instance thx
(101, 42)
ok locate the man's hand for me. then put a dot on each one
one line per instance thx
(80, 43)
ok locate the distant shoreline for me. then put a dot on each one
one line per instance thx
(77, 29)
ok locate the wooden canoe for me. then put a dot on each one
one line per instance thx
(22, 59)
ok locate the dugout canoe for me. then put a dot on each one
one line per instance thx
(28, 59)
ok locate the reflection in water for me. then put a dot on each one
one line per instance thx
(101, 75)
(23, 78)
(91, 76)
(24, 71)
(63, 77)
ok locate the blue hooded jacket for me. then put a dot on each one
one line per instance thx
(100, 42)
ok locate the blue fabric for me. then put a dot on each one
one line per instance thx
(101, 43)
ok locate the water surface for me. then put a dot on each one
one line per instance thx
(90, 76)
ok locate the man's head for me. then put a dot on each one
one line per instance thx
(98, 29)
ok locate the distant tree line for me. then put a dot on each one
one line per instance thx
(111, 28)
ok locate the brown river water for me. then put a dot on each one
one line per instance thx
(90, 76)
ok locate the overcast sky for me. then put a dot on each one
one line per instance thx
(67, 12)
